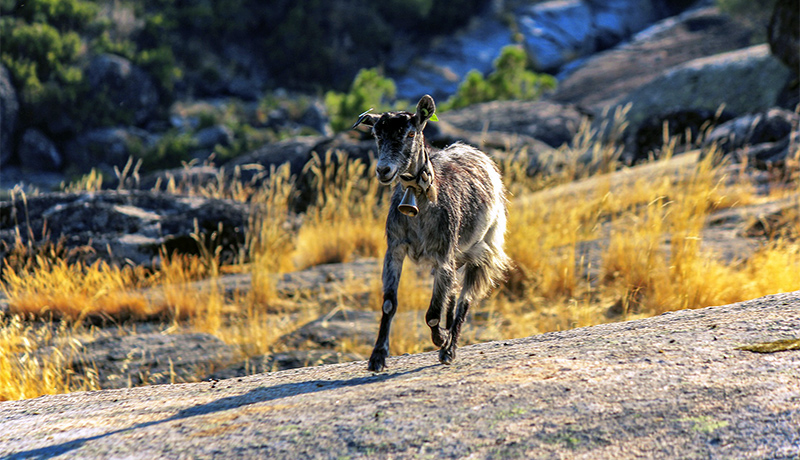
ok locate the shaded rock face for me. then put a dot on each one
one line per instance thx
(743, 81)
(783, 34)
(553, 33)
(106, 147)
(316, 118)
(606, 78)
(210, 137)
(552, 123)
(38, 153)
(293, 359)
(185, 179)
(439, 70)
(126, 226)
(125, 86)
(764, 139)
(150, 358)
(686, 125)
(746, 80)
(297, 152)
(328, 331)
(9, 109)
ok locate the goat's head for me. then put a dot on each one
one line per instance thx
(399, 137)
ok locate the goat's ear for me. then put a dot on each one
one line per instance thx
(425, 110)
(366, 118)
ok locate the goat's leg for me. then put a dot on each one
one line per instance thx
(475, 284)
(392, 269)
(443, 280)
(451, 309)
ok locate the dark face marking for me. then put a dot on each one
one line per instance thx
(395, 147)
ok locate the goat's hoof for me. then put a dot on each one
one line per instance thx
(377, 362)
(447, 355)
(440, 337)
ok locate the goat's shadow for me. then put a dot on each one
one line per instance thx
(256, 395)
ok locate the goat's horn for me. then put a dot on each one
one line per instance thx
(408, 205)
(361, 118)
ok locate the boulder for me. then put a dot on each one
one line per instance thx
(770, 126)
(316, 118)
(105, 148)
(783, 35)
(607, 77)
(121, 84)
(295, 151)
(495, 143)
(126, 226)
(765, 139)
(556, 32)
(439, 69)
(29, 181)
(208, 138)
(746, 80)
(552, 123)
(743, 81)
(687, 125)
(38, 153)
(9, 109)
(616, 20)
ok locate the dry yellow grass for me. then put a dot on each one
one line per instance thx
(58, 290)
(28, 369)
(645, 227)
(347, 218)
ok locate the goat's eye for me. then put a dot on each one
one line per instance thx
(412, 133)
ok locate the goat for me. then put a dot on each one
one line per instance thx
(448, 210)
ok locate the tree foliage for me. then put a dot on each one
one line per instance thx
(46, 45)
(370, 89)
(509, 80)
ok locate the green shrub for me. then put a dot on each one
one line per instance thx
(46, 45)
(44, 66)
(509, 80)
(64, 15)
(369, 89)
(169, 152)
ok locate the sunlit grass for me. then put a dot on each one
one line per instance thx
(57, 290)
(347, 217)
(28, 369)
(590, 245)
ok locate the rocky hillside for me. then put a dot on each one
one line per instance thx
(689, 93)
(719, 382)
(108, 82)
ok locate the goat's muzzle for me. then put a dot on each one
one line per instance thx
(408, 205)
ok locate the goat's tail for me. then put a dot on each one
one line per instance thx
(491, 268)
